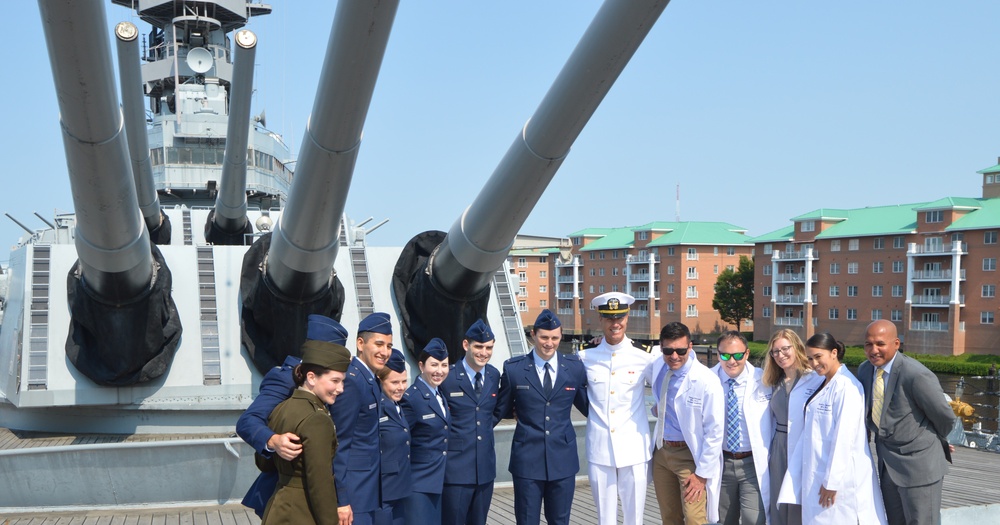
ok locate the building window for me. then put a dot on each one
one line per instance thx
(878, 266)
(989, 264)
(835, 245)
(853, 244)
(522, 277)
(768, 249)
(600, 272)
(852, 314)
(693, 272)
(600, 256)
(670, 270)
(670, 307)
(614, 287)
(614, 271)
(852, 291)
(957, 237)
(670, 250)
(692, 254)
(766, 290)
(878, 243)
(765, 312)
(715, 269)
(614, 254)
(731, 267)
(522, 306)
(591, 256)
(643, 236)
(576, 241)
(989, 290)
(522, 262)
(834, 313)
(715, 250)
(670, 288)
(934, 216)
(543, 260)
(990, 238)
(543, 289)
(731, 250)
(808, 226)
(899, 242)
(543, 274)
(876, 314)
(522, 291)
(767, 269)
(852, 267)
(789, 313)
(834, 268)
(593, 272)
(897, 315)
(986, 317)
(834, 291)
(897, 290)
(789, 268)
(600, 289)
(543, 303)
(897, 266)
(591, 288)
(692, 311)
(877, 290)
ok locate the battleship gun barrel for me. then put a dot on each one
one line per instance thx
(112, 244)
(481, 238)
(135, 122)
(305, 240)
(231, 202)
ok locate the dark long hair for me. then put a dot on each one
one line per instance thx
(300, 371)
(827, 342)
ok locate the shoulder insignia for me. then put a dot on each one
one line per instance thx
(644, 348)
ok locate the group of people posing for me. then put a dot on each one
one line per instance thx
(786, 443)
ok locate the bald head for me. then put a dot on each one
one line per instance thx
(881, 342)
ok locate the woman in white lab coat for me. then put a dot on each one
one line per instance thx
(831, 473)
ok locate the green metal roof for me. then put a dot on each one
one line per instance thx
(876, 220)
(950, 203)
(994, 169)
(705, 233)
(779, 235)
(822, 213)
(615, 239)
(987, 215)
(593, 232)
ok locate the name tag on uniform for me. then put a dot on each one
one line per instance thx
(455, 394)
(429, 416)
(522, 387)
(383, 419)
(764, 396)
(825, 408)
(693, 402)
(372, 406)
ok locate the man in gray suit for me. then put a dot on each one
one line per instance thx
(910, 418)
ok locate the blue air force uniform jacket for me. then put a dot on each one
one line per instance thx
(356, 465)
(277, 386)
(544, 445)
(428, 437)
(471, 456)
(394, 436)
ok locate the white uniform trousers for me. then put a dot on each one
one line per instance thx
(608, 483)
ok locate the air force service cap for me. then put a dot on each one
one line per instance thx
(547, 321)
(322, 328)
(377, 322)
(480, 332)
(396, 362)
(613, 305)
(436, 349)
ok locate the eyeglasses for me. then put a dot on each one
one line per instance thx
(784, 350)
(738, 356)
(679, 351)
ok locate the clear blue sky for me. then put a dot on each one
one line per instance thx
(759, 110)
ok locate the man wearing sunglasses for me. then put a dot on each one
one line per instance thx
(617, 425)
(687, 439)
(748, 430)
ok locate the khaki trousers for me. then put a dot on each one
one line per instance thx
(671, 466)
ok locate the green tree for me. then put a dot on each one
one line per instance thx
(734, 293)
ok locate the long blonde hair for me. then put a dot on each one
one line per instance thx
(773, 374)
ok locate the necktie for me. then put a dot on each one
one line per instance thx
(441, 402)
(878, 395)
(479, 384)
(732, 418)
(661, 410)
(547, 385)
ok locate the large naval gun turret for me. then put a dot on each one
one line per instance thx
(194, 255)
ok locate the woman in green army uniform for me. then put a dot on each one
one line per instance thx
(306, 493)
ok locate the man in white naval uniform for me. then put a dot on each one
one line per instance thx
(618, 445)
(748, 432)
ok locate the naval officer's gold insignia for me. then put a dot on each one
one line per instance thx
(612, 304)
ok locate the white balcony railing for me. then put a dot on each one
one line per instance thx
(565, 295)
(936, 275)
(692, 275)
(789, 277)
(793, 299)
(788, 321)
(935, 300)
(566, 279)
(922, 249)
(643, 258)
(692, 256)
(928, 326)
(691, 313)
(642, 295)
(791, 256)
(565, 311)
(642, 277)
(639, 313)
(692, 295)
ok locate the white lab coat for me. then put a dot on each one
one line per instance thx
(833, 453)
(618, 425)
(757, 413)
(701, 415)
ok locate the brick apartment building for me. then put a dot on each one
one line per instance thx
(669, 267)
(930, 268)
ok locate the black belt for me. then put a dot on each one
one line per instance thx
(736, 455)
